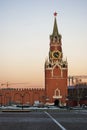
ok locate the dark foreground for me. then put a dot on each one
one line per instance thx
(67, 120)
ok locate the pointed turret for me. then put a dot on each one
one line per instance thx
(55, 28)
(55, 35)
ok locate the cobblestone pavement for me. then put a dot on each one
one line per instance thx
(73, 120)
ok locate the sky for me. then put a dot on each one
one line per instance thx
(25, 27)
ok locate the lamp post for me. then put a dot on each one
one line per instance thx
(78, 95)
(1, 99)
(22, 95)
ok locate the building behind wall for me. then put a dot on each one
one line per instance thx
(77, 95)
(56, 71)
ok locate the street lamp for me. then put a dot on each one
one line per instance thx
(78, 95)
(1, 99)
(22, 95)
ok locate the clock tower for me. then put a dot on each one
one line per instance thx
(56, 69)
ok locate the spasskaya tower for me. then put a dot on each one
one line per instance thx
(56, 69)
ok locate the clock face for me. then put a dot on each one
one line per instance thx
(56, 54)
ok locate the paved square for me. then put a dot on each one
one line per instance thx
(52, 120)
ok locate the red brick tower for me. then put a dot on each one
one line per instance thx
(56, 69)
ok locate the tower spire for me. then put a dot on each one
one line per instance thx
(55, 28)
(55, 34)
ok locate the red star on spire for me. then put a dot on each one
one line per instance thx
(55, 13)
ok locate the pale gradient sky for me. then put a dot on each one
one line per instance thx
(25, 26)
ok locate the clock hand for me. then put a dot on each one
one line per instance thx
(56, 54)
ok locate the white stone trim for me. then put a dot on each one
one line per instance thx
(57, 94)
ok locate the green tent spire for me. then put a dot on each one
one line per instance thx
(55, 33)
(55, 29)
